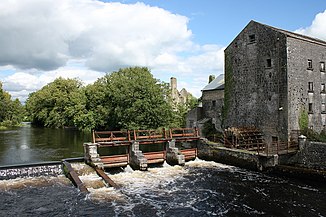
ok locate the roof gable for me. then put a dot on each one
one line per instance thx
(217, 83)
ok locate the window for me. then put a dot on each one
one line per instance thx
(274, 140)
(322, 88)
(252, 38)
(309, 64)
(323, 109)
(213, 103)
(269, 63)
(322, 66)
(310, 87)
(310, 108)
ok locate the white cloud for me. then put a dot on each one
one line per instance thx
(317, 28)
(41, 40)
(20, 84)
(45, 34)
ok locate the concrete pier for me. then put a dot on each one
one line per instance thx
(173, 156)
(137, 159)
(91, 155)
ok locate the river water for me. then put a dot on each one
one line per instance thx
(200, 188)
(28, 144)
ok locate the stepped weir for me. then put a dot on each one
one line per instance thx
(174, 146)
(132, 140)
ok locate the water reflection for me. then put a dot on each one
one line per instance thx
(28, 144)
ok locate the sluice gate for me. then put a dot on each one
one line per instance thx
(135, 144)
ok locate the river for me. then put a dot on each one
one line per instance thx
(200, 188)
(29, 144)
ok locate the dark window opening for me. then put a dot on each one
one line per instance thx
(322, 66)
(269, 63)
(310, 87)
(309, 64)
(322, 88)
(252, 38)
(310, 108)
(274, 140)
(213, 103)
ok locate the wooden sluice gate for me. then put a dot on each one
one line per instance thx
(131, 140)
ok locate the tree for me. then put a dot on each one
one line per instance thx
(11, 111)
(136, 99)
(60, 103)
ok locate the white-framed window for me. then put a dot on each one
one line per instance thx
(309, 64)
(322, 66)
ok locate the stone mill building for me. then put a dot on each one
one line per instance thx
(273, 78)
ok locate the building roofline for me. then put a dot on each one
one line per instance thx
(287, 33)
(295, 35)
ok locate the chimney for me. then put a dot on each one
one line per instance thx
(173, 83)
(211, 78)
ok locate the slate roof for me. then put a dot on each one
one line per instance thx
(295, 35)
(216, 84)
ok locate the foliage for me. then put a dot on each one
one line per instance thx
(127, 99)
(136, 99)
(11, 111)
(209, 129)
(303, 120)
(314, 136)
(181, 111)
(58, 104)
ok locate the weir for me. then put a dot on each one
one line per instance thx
(52, 168)
(134, 145)
(133, 140)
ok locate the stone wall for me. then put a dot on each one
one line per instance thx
(256, 81)
(193, 116)
(213, 101)
(311, 155)
(299, 76)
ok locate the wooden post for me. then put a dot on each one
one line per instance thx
(105, 177)
(93, 132)
(71, 173)
(135, 136)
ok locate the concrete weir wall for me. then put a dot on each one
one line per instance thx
(308, 163)
(235, 157)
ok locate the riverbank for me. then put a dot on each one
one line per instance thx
(303, 164)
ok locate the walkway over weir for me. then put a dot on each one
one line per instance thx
(133, 156)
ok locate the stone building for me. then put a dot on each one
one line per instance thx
(210, 109)
(273, 78)
(212, 101)
(178, 97)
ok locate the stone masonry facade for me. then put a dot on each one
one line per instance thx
(272, 76)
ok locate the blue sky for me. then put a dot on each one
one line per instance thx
(41, 40)
(218, 22)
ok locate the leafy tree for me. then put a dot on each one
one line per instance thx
(181, 110)
(11, 111)
(136, 99)
(60, 103)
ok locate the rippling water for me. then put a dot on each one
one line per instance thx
(28, 144)
(200, 188)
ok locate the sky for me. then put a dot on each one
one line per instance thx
(41, 40)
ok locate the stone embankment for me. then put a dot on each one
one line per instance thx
(308, 162)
